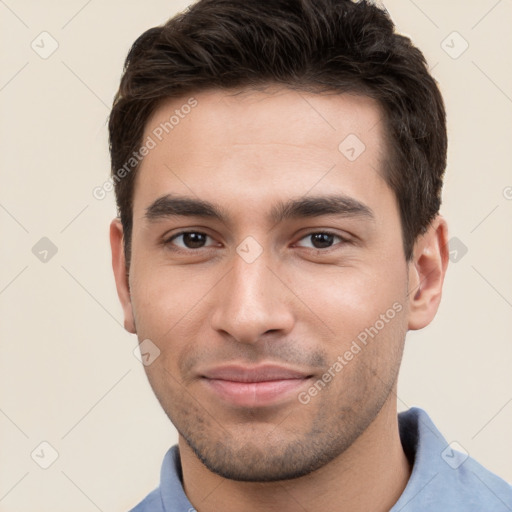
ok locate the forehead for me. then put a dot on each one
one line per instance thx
(273, 115)
(271, 142)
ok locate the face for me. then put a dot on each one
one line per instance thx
(268, 270)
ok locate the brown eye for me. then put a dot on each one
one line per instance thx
(322, 240)
(189, 240)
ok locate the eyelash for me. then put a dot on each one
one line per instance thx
(343, 241)
(167, 242)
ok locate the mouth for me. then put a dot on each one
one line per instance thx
(256, 386)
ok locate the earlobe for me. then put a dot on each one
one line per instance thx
(120, 273)
(426, 274)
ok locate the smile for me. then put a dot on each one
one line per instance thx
(256, 386)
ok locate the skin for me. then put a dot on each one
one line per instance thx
(298, 304)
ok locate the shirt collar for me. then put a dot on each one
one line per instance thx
(442, 478)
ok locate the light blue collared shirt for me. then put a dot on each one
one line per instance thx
(442, 479)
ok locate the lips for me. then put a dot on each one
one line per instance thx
(255, 386)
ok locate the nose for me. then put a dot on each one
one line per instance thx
(252, 300)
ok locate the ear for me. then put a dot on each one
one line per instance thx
(120, 273)
(426, 274)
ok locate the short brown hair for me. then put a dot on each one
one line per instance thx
(310, 45)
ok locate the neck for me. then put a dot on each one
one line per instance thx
(370, 475)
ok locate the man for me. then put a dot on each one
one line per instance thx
(278, 169)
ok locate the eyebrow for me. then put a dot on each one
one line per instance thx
(172, 205)
(316, 206)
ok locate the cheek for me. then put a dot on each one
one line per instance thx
(165, 297)
(351, 299)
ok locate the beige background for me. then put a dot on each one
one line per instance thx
(68, 375)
